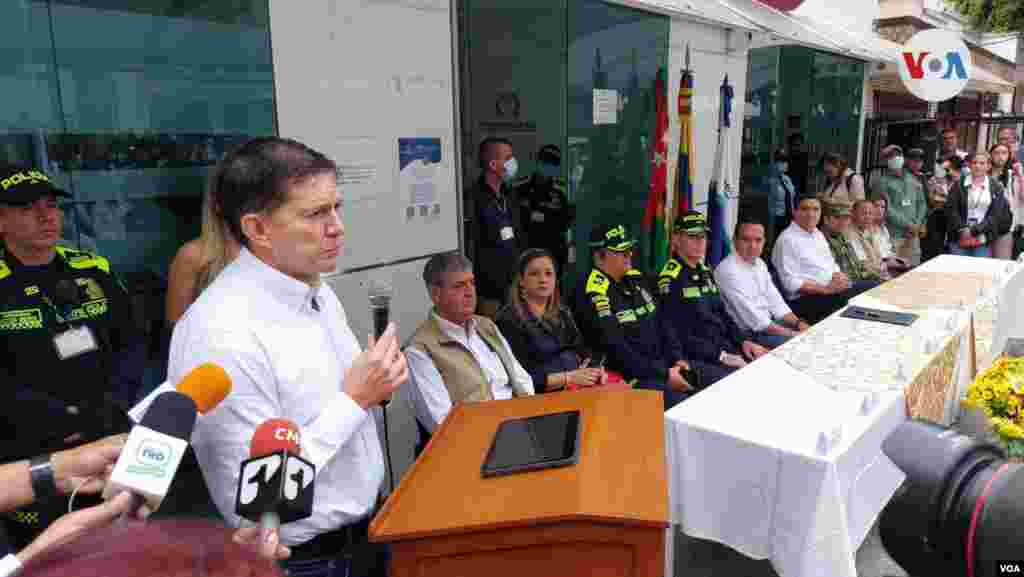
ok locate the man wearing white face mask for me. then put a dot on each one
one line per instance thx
(908, 205)
(493, 225)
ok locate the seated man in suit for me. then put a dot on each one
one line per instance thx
(456, 356)
(812, 282)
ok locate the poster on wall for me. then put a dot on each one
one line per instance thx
(419, 175)
(606, 106)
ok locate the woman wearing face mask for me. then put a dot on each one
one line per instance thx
(841, 183)
(1008, 173)
(781, 193)
(977, 211)
(540, 331)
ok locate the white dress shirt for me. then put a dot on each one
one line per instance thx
(434, 397)
(285, 360)
(750, 295)
(800, 256)
(978, 200)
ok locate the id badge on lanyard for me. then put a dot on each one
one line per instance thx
(74, 341)
(70, 341)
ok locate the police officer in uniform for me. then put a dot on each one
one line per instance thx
(545, 209)
(71, 359)
(618, 318)
(693, 309)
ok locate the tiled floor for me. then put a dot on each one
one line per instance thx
(698, 558)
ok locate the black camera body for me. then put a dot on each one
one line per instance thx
(961, 509)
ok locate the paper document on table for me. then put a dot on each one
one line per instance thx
(852, 355)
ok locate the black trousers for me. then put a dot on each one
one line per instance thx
(935, 243)
(814, 308)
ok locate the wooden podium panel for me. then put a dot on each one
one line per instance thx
(605, 515)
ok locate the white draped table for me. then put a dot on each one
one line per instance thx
(782, 460)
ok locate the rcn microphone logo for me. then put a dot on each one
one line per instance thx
(151, 458)
(935, 65)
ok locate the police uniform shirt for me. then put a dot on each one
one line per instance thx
(545, 214)
(620, 320)
(49, 398)
(286, 359)
(694, 311)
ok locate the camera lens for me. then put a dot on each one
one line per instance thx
(961, 508)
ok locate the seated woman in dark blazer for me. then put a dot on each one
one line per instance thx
(541, 332)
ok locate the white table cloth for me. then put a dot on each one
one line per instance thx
(748, 468)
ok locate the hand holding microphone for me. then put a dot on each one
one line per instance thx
(377, 372)
(154, 448)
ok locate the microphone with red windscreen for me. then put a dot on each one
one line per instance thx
(275, 485)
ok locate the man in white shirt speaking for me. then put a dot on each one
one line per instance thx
(282, 336)
(456, 356)
(812, 283)
(750, 296)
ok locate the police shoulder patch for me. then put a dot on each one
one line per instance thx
(597, 283)
(5, 271)
(80, 259)
(670, 270)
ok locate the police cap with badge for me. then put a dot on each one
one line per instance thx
(611, 237)
(693, 223)
(21, 185)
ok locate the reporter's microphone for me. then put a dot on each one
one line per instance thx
(275, 484)
(153, 451)
(207, 385)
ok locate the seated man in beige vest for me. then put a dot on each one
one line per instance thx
(456, 356)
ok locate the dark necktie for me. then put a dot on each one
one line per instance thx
(313, 303)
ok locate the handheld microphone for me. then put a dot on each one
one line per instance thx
(275, 484)
(380, 311)
(207, 385)
(380, 306)
(153, 451)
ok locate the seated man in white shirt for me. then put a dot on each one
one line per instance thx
(750, 296)
(282, 336)
(456, 356)
(812, 283)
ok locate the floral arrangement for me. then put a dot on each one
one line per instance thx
(999, 393)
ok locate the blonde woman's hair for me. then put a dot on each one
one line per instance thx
(213, 240)
(517, 294)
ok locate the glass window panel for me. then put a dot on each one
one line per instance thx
(152, 94)
(27, 82)
(621, 49)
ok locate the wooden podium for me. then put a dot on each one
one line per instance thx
(606, 515)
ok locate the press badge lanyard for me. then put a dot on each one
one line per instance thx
(62, 319)
(72, 341)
